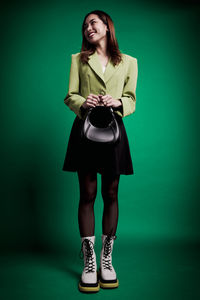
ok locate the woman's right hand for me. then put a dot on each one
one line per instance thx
(91, 101)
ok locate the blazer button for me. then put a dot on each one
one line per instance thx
(102, 92)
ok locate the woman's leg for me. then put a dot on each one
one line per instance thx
(109, 192)
(88, 191)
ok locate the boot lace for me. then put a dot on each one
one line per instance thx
(106, 261)
(90, 263)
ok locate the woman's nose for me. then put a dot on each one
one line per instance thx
(89, 28)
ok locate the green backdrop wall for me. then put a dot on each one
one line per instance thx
(39, 202)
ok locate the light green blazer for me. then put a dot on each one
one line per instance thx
(118, 81)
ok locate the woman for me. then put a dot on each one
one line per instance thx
(99, 75)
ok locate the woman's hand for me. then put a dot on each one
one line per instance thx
(109, 101)
(91, 101)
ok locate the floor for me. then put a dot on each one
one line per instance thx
(146, 270)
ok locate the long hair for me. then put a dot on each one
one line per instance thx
(112, 44)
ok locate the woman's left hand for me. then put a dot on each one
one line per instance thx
(109, 101)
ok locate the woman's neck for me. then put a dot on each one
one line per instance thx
(101, 49)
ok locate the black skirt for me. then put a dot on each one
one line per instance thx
(113, 159)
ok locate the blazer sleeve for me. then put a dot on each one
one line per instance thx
(73, 99)
(129, 91)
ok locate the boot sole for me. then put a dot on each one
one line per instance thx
(107, 284)
(88, 288)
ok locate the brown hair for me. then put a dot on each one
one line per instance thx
(113, 48)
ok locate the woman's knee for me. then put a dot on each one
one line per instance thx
(88, 197)
(109, 196)
(109, 189)
(88, 188)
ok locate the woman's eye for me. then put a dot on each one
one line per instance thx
(85, 26)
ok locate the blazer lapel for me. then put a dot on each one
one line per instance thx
(95, 64)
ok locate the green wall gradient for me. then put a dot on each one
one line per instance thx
(39, 202)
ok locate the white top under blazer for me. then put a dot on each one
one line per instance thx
(104, 67)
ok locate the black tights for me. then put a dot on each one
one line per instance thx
(88, 191)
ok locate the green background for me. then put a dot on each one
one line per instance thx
(156, 253)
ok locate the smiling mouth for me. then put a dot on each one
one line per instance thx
(91, 34)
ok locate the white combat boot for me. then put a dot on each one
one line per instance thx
(89, 281)
(107, 274)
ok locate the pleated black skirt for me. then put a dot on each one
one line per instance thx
(113, 159)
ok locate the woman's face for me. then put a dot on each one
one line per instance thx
(94, 29)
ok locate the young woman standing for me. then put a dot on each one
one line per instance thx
(100, 75)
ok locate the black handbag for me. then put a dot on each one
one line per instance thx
(100, 125)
